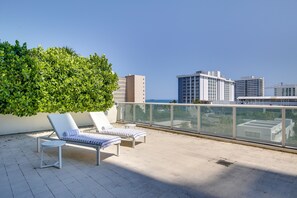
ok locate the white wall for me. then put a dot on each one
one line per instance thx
(10, 124)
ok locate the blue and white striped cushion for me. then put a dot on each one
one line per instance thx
(124, 133)
(95, 139)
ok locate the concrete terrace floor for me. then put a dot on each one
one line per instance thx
(168, 165)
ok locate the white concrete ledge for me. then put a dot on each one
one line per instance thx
(10, 124)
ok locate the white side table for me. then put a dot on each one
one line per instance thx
(52, 144)
(128, 126)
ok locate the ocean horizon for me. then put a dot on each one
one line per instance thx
(159, 100)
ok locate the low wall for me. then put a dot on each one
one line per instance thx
(10, 124)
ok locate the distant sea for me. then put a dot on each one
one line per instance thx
(158, 101)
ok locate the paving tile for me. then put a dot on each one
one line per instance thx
(64, 194)
(59, 189)
(44, 194)
(5, 188)
(19, 186)
(68, 180)
(26, 194)
(36, 189)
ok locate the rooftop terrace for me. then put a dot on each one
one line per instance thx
(168, 165)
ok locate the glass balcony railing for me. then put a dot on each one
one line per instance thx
(275, 125)
(216, 120)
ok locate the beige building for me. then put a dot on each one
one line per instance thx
(135, 88)
(131, 89)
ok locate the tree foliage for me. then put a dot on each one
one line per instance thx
(19, 80)
(53, 80)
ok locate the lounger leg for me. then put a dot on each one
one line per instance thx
(38, 144)
(144, 139)
(133, 143)
(60, 157)
(98, 156)
(41, 160)
(118, 150)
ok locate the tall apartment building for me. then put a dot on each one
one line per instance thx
(206, 86)
(131, 89)
(249, 86)
(135, 88)
(285, 90)
(120, 94)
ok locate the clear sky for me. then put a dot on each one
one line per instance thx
(161, 39)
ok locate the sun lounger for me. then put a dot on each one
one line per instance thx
(103, 126)
(67, 130)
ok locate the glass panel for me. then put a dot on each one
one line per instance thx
(259, 124)
(217, 121)
(119, 115)
(161, 115)
(127, 112)
(142, 113)
(185, 117)
(291, 127)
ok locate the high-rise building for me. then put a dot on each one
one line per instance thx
(205, 86)
(249, 86)
(285, 90)
(135, 88)
(131, 89)
(120, 94)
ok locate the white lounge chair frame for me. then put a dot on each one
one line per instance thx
(100, 120)
(66, 122)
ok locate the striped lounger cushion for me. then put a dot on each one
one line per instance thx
(95, 139)
(126, 133)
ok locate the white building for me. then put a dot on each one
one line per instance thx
(285, 90)
(269, 100)
(120, 94)
(205, 86)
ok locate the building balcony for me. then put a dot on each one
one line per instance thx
(177, 161)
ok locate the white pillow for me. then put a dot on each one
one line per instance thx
(71, 132)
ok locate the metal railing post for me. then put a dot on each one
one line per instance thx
(198, 119)
(120, 113)
(171, 116)
(284, 137)
(234, 132)
(151, 114)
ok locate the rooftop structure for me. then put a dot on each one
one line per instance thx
(265, 130)
(205, 86)
(177, 164)
(197, 167)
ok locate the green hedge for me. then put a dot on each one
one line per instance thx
(19, 80)
(54, 80)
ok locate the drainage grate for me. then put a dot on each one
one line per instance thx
(224, 163)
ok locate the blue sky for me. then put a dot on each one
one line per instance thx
(161, 39)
